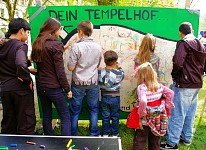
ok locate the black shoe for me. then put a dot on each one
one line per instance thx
(186, 143)
(165, 146)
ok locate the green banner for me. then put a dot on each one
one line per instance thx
(121, 29)
(162, 22)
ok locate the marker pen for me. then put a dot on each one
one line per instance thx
(4, 148)
(69, 143)
(29, 142)
(13, 145)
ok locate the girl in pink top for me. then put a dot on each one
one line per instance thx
(152, 108)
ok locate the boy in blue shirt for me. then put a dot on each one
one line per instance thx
(109, 81)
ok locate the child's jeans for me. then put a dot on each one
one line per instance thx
(110, 110)
(140, 139)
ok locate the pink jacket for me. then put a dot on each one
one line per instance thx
(145, 96)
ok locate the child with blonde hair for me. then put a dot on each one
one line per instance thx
(152, 108)
(146, 53)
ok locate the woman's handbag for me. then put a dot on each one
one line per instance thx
(133, 120)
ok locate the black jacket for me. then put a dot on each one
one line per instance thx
(13, 64)
(51, 71)
(188, 64)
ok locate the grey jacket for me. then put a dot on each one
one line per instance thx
(85, 56)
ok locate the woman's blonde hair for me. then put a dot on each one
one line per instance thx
(148, 76)
(147, 46)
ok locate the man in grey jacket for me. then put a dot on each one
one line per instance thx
(188, 68)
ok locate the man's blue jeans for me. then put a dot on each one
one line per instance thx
(56, 96)
(92, 96)
(182, 116)
(110, 110)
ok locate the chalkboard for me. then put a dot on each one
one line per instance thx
(60, 142)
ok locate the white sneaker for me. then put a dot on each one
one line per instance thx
(165, 146)
(115, 135)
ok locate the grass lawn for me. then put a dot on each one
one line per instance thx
(198, 142)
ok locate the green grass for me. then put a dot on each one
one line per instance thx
(198, 142)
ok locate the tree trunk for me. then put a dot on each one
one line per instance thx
(26, 13)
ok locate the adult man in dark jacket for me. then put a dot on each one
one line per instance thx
(16, 87)
(188, 68)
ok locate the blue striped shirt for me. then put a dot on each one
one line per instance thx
(109, 80)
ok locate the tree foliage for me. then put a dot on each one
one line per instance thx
(12, 8)
(145, 3)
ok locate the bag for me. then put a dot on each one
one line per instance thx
(133, 120)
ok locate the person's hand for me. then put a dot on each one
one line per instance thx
(20, 79)
(99, 68)
(69, 94)
(31, 86)
(68, 44)
(33, 71)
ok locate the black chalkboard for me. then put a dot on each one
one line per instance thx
(60, 142)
